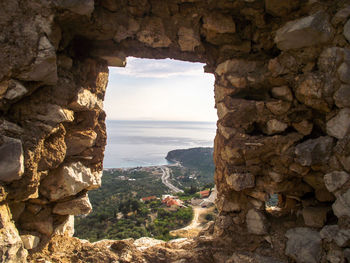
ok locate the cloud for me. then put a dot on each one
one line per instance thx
(162, 68)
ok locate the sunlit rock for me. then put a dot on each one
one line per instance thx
(30, 241)
(77, 206)
(85, 100)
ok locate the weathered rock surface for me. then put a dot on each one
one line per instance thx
(341, 206)
(11, 159)
(304, 245)
(335, 180)
(77, 206)
(339, 126)
(30, 241)
(256, 222)
(69, 180)
(314, 151)
(304, 32)
(315, 216)
(239, 182)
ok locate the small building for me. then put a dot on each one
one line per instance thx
(204, 194)
(148, 198)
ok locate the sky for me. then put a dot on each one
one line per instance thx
(166, 89)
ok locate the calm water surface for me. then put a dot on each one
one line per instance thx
(145, 143)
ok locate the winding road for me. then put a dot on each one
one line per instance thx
(165, 180)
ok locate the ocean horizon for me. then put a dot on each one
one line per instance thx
(133, 143)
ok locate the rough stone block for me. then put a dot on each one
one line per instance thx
(80, 7)
(346, 31)
(339, 125)
(315, 216)
(280, 8)
(335, 180)
(341, 207)
(219, 23)
(15, 90)
(78, 141)
(256, 222)
(11, 160)
(304, 245)
(30, 241)
(314, 151)
(188, 40)
(275, 126)
(77, 206)
(85, 100)
(283, 93)
(344, 72)
(342, 96)
(66, 227)
(304, 32)
(240, 181)
(304, 127)
(68, 180)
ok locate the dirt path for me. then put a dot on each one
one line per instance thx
(194, 228)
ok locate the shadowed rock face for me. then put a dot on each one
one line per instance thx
(281, 92)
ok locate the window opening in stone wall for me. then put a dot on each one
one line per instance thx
(158, 165)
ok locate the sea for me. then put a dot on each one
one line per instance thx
(146, 143)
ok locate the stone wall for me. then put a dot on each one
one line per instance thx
(282, 94)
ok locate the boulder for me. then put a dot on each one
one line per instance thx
(275, 126)
(188, 40)
(346, 31)
(304, 245)
(283, 93)
(77, 206)
(68, 180)
(256, 222)
(304, 32)
(335, 180)
(341, 207)
(342, 96)
(344, 72)
(85, 100)
(11, 159)
(30, 241)
(219, 23)
(240, 181)
(339, 125)
(314, 151)
(333, 233)
(315, 216)
(44, 68)
(78, 141)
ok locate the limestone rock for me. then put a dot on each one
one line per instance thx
(314, 151)
(54, 114)
(334, 233)
(126, 31)
(66, 227)
(339, 125)
(71, 179)
(11, 159)
(335, 180)
(30, 241)
(188, 40)
(315, 216)
(15, 90)
(341, 207)
(256, 222)
(240, 181)
(279, 107)
(78, 141)
(344, 72)
(11, 245)
(275, 126)
(304, 32)
(153, 34)
(77, 206)
(44, 68)
(237, 81)
(342, 96)
(346, 31)
(280, 8)
(304, 127)
(85, 100)
(304, 245)
(41, 222)
(311, 93)
(80, 7)
(219, 23)
(283, 93)
(239, 66)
